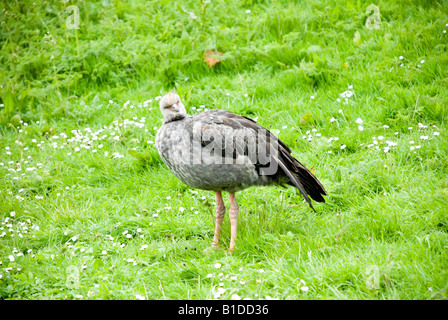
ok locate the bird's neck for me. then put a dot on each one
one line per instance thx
(174, 117)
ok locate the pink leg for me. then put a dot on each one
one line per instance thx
(220, 210)
(233, 214)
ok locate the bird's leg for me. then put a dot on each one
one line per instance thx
(220, 211)
(233, 214)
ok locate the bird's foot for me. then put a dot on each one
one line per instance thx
(212, 248)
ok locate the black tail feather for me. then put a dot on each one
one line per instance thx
(295, 182)
(301, 178)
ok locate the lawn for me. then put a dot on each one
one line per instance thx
(88, 209)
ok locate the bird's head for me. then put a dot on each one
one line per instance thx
(171, 107)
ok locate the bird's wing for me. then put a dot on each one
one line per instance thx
(223, 130)
(276, 151)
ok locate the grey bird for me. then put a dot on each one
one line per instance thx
(220, 151)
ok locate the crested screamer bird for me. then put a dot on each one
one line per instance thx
(221, 151)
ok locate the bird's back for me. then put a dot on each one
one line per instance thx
(219, 150)
(197, 150)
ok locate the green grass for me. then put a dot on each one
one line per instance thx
(66, 221)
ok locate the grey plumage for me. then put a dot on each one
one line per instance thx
(221, 151)
(175, 141)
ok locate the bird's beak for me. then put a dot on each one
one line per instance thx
(175, 107)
